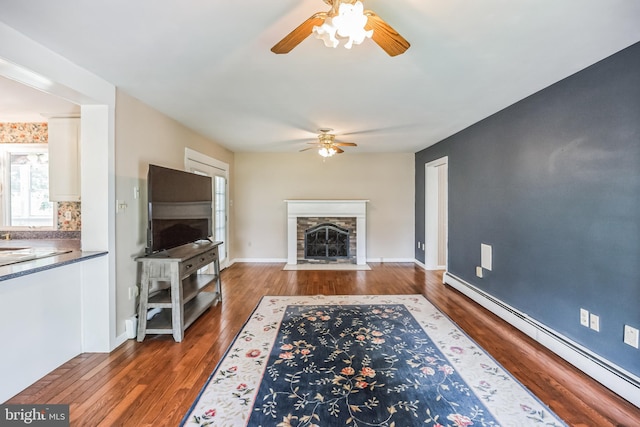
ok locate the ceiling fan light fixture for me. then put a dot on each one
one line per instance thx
(348, 24)
(327, 151)
(327, 33)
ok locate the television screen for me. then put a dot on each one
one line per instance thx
(179, 208)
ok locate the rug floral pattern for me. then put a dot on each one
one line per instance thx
(360, 361)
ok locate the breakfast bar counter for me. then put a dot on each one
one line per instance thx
(24, 257)
(54, 305)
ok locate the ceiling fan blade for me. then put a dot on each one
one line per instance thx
(295, 37)
(384, 35)
(345, 144)
(339, 150)
(305, 149)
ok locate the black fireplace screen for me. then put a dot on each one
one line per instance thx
(326, 241)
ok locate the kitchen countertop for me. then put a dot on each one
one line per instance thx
(11, 271)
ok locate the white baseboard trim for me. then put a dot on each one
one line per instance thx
(381, 259)
(429, 267)
(610, 375)
(260, 260)
(284, 260)
(120, 339)
(327, 267)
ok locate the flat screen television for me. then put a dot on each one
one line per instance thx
(179, 208)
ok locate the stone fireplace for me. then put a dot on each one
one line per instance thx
(326, 240)
(342, 220)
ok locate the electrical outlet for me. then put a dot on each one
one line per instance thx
(584, 317)
(631, 336)
(418, 244)
(595, 322)
(133, 292)
(479, 272)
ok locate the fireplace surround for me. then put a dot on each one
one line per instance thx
(326, 208)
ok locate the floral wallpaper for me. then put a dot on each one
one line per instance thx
(24, 133)
(69, 218)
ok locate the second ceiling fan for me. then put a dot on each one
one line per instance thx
(327, 145)
(346, 20)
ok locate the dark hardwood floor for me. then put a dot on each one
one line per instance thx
(153, 383)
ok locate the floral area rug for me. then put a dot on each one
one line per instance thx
(360, 360)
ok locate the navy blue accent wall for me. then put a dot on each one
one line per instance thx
(553, 184)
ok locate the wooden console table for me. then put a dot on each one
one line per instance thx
(183, 301)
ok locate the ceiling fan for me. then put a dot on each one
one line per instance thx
(327, 145)
(346, 20)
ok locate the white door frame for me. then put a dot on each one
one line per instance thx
(432, 208)
(197, 157)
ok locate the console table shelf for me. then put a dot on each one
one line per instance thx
(184, 301)
(161, 322)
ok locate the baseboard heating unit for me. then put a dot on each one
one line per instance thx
(611, 376)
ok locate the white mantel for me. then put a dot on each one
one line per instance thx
(322, 208)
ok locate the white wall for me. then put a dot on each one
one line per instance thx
(143, 136)
(138, 135)
(264, 180)
(30, 63)
(40, 325)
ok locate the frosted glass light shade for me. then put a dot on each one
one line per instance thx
(327, 152)
(348, 24)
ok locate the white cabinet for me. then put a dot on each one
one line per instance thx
(64, 159)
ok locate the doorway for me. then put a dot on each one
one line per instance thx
(201, 164)
(436, 213)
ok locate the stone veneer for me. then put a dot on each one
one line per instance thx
(305, 223)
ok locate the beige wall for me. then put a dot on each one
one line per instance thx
(142, 136)
(259, 184)
(264, 180)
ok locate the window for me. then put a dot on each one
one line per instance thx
(220, 220)
(25, 189)
(204, 165)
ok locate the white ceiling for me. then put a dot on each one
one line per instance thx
(20, 103)
(208, 64)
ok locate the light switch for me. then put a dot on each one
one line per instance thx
(121, 206)
(486, 256)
